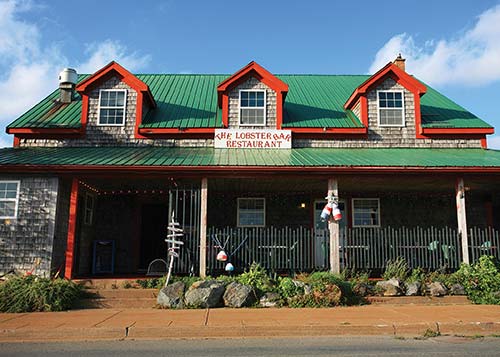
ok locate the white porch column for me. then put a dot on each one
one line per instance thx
(203, 228)
(333, 226)
(462, 219)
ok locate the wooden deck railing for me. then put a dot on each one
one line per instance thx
(368, 249)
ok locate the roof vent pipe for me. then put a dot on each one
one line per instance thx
(67, 82)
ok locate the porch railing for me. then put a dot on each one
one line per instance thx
(276, 249)
(483, 241)
(303, 249)
(370, 248)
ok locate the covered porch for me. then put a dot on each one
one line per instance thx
(119, 225)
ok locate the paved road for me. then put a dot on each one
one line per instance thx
(338, 346)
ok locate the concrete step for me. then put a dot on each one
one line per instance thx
(119, 298)
(420, 300)
(115, 283)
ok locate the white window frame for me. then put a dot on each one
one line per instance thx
(86, 209)
(16, 200)
(403, 113)
(106, 107)
(353, 209)
(238, 211)
(264, 107)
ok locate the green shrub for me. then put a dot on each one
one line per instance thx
(256, 277)
(416, 275)
(287, 288)
(32, 293)
(481, 280)
(153, 283)
(397, 268)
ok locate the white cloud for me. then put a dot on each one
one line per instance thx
(471, 58)
(102, 53)
(494, 142)
(29, 67)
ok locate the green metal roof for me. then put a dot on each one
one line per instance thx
(319, 157)
(190, 101)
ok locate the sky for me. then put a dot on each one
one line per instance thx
(453, 46)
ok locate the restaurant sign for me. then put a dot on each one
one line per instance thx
(252, 139)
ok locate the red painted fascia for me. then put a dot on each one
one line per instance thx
(306, 130)
(396, 73)
(43, 131)
(457, 131)
(163, 131)
(17, 141)
(127, 77)
(264, 76)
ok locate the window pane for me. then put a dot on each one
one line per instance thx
(252, 116)
(366, 212)
(397, 95)
(7, 208)
(382, 95)
(120, 99)
(12, 186)
(251, 212)
(391, 116)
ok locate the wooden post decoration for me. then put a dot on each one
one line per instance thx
(334, 228)
(173, 245)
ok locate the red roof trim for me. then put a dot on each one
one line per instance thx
(127, 77)
(160, 131)
(400, 76)
(37, 131)
(453, 131)
(328, 130)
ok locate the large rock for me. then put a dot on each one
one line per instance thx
(329, 295)
(391, 287)
(437, 289)
(239, 295)
(413, 289)
(457, 289)
(270, 300)
(171, 296)
(204, 294)
(362, 289)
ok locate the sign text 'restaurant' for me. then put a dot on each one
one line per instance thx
(252, 139)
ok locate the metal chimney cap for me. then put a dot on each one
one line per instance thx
(68, 75)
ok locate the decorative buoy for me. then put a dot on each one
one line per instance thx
(222, 256)
(229, 267)
(327, 210)
(336, 214)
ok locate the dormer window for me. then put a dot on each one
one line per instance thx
(112, 104)
(391, 108)
(253, 107)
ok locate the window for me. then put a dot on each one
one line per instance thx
(9, 195)
(112, 106)
(89, 209)
(251, 212)
(366, 212)
(252, 107)
(390, 108)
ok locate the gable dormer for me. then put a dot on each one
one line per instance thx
(389, 101)
(252, 98)
(114, 102)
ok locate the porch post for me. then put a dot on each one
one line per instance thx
(462, 219)
(203, 228)
(333, 226)
(70, 243)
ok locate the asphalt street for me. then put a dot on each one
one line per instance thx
(336, 346)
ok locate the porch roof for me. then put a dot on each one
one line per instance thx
(213, 159)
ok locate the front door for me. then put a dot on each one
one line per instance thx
(321, 234)
(154, 232)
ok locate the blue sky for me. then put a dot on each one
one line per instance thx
(452, 45)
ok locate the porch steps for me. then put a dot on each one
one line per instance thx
(119, 298)
(419, 300)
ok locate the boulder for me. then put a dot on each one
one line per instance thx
(362, 289)
(270, 300)
(207, 293)
(239, 295)
(329, 295)
(457, 289)
(437, 289)
(391, 287)
(413, 289)
(171, 296)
